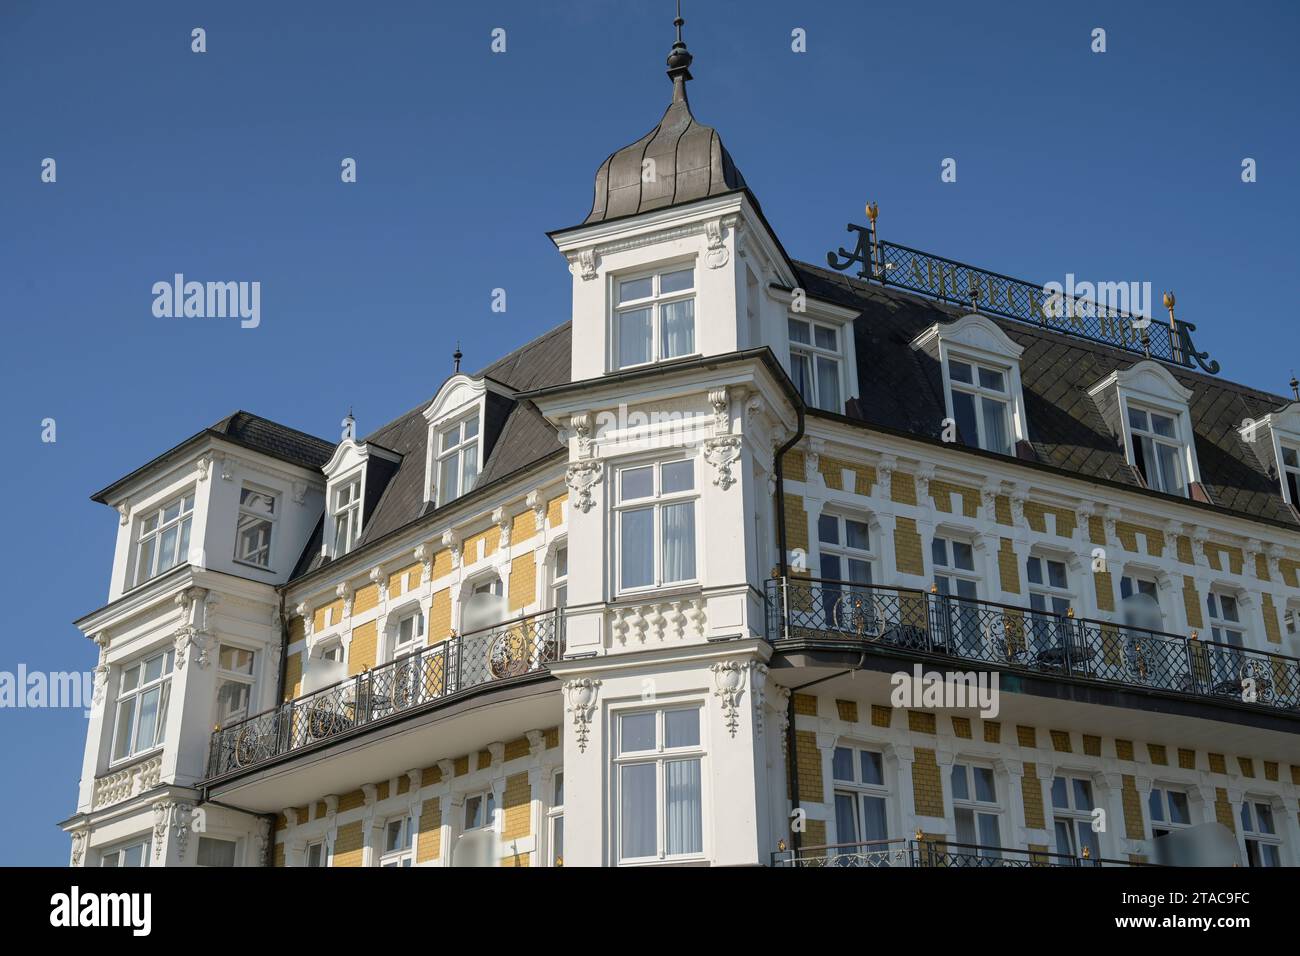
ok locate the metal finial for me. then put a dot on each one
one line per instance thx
(456, 357)
(679, 60)
(1295, 386)
(1169, 304)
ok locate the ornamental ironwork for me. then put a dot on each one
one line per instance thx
(947, 280)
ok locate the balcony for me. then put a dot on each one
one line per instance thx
(932, 853)
(513, 651)
(918, 625)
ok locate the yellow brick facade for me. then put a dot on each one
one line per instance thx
(365, 645)
(927, 785)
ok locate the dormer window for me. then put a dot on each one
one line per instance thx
(655, 317)
(1158, 452)
(458, 450)
(980, 368)
(815, 363)
(980, 403)
(347, 515)
(1291, 473)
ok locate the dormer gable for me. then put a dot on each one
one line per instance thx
(1275, 440)
(464, 420)
(356, 476)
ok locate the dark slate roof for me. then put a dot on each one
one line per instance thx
(690, 163)
(901, 389)
(248, 431)
(524, 438)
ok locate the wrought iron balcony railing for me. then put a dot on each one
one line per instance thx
(929, 853)
(1006, 637)
(431, 674)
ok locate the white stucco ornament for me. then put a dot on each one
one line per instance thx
(729, 687)
(580, 478)
(581, 695)
(722, 453)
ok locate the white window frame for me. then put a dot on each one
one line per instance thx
(118, 851)
(560, 575)
(555, 820)
(653, 302)
(810, 352)
(352, 511)
(183, 522)
(1157, 480)
(1052, 596)
(1251, 832)
(488, 806)
(658, 756)
(394, 647)
(1160, 794)
(1289, 473)
(656, 501)
(324, 853)
(1136, 577)
(225, 676)
(137, 693)
(979, 393)
(977, 807)
(950, 569)
(465, 446)
(841, 548)
(1223, 626)
(270, 519)
(1073, 815)
(856, 788)
(404, 855)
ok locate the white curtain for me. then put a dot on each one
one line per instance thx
(637, 810)
(678, 332)
(683, 810)
(995, 425)
(679, 541)
(637, 547)
(633, 337)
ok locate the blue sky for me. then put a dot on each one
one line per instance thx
(225, 166)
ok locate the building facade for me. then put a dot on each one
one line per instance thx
(638, 592)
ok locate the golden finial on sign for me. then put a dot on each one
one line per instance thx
(1087, 853)
(873, 211)
(1169, 304)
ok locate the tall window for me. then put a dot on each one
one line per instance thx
(815, 363)
(142, 697)
(1263, 845)
(234, 683)
(214, 852)
(133, 853)
(656, 525)
(1169, 810)
(555, 819)
(316, 853)
(164, 538)
(954, 577)
(1050, 598)
(1072, 807)
(657, 769)
(980, 405)
(1157, 450)
(347, 516)
(1291, 473)
(560, 578)
(860, 796)
(1140, 597)
(253, 532)
(976, 809)
(655, 317)
(845, 545)
(457, 459)
(398, 843)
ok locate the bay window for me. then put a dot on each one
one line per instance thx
(654, 318)
(1158, 451)
(658, 785)
(656, 525)
(214, 852)
(143, 692)
(980, 405)
(164, 539)
(257, 514)
(815, 363)
(132, 853)
(458, 448)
